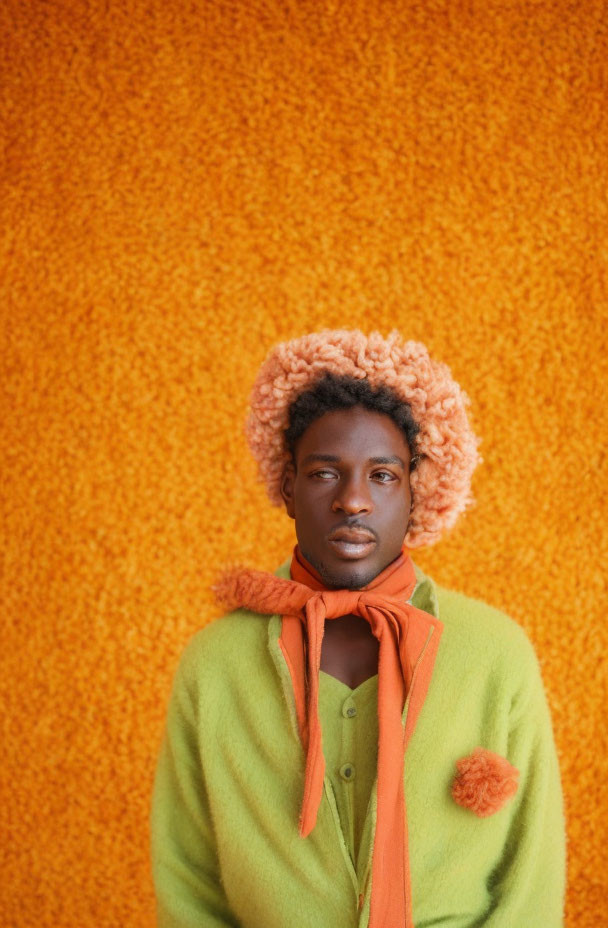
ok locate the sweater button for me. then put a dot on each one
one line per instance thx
(347, 772)
(349, 711)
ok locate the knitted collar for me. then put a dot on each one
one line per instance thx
(408, 641)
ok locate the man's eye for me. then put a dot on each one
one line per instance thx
(383, 476)
(322, 474)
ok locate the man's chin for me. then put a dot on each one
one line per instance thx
(350, 583)
(350, 575)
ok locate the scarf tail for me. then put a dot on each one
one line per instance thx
(388, 905)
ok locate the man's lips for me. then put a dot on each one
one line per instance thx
(354, 535)
(351, 543)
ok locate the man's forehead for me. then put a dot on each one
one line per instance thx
(389, 459)
(342, 431)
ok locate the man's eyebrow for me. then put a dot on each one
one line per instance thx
(327, 458)
(335, 459)
(392, 459)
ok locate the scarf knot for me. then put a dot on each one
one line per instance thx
(337, 603)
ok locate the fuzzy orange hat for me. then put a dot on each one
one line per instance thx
(446, 444)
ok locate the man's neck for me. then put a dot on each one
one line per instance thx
(349, 651)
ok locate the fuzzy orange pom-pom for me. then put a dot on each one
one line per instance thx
(485, 782)
(259, 591)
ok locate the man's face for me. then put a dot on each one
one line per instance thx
(349, 494)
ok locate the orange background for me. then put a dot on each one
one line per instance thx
(187, 183)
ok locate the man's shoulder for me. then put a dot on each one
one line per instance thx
(228, 646)
(478, 629)
(476, 615)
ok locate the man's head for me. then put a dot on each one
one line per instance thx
(416, 395)
(347, 482)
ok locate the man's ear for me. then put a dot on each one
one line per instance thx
(287, 484)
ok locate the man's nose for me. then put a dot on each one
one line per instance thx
(352, 496)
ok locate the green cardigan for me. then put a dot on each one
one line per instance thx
(229, 780)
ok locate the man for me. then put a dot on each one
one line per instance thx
(354, 745)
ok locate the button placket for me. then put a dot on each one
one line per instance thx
(347, 769)
(349, 712)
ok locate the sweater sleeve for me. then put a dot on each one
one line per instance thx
(185, 865)
(528, 886)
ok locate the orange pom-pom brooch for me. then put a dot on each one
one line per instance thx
(485, 782)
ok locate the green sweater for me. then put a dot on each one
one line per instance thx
(228, 788)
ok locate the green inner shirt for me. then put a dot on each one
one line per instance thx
(349, 720)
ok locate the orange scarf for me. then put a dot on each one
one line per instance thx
(408, 639)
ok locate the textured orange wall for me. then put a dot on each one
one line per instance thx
(187, 183)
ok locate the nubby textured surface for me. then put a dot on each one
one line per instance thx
(185, 184)
(440, 482)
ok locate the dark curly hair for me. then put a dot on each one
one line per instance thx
(334, 391)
